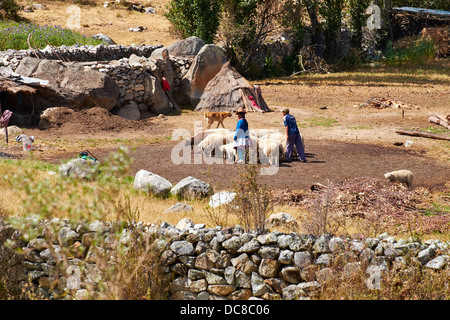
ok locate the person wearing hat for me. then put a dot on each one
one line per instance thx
(241, 136)
(293, 137)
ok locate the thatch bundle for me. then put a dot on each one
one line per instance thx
(228, 91)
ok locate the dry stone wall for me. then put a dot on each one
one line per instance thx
(207, 263)
(137, 74)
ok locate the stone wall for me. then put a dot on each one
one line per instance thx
(208, 263)
(133, 68)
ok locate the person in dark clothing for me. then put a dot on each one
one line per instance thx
(293, 137)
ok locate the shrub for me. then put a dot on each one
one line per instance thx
(198, 18)
(416, 52)
(11, 9)
(252, 203)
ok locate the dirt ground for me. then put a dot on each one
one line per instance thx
(342, 140)
(359, 142)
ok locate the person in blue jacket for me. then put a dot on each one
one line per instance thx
(293, 137)
(241, 137)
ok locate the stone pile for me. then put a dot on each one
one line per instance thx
(80, 53)
(208, 263)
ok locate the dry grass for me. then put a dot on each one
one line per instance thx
(113, 22)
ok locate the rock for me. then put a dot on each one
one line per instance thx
(179, 207)
(54, 117)
(232, 244)
(152, 183)
(70, 84)
(102, 37)
(137, 29)
(244, 264)
(188, 47)
(426, 255)
(302, 259)
(268, 268)
(259, 287)
(221, 289)
(221, 198)
(129, 111)
(185, 223)
(79, 168)
(291, 274)
(292, 292)
(182, 248)
(12, 130)
(191, 188)
(438, 262)
(206, 65)
(281, 219)
(249, 247)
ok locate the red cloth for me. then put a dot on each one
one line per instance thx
(165, 85)
(253, 102)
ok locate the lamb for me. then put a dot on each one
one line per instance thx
(404, 176)
(228, 151)
(271, 149)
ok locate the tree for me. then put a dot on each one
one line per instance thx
(199, 18)
(246, 25)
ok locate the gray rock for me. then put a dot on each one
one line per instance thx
(438, 263)
(206, 65)
(129, 111)
(70, 84)
(302, 259)
(185, 223)
(286, 257)
(250, 247)
(259, 287)
(179, 207)
(152, 183)
(232, 244)
(191, 188)
(324, 260)
(426, 255)
(182, 248)
(281, 219)
(102, 37)
(221, 198)
(79, 168)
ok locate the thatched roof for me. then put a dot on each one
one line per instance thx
(14, 87)
(228, 91)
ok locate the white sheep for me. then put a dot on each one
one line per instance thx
(271, 149)
(228, 151)
(212, 143)
(404, 176)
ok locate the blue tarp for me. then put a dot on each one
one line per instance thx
(422, 10)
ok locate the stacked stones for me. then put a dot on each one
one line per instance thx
(132, 76)
(211, 263)
(232, 264)
(78, 53)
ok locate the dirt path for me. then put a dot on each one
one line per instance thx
(332, 161)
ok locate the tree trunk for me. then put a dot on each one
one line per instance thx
(422, 134)
(440, 120)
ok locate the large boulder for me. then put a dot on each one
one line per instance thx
(191, 188)
(129, 111)
(152, 183)
(70, 84)
(79, 168)
(207, 63)
(187, 47)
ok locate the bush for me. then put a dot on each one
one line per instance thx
(14, 35)
(11, 8)
(416, 52)
(198, 18)
(252, 203)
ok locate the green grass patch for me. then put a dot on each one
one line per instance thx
(416, 52)
(318, 122)
(360, 128)
(14, 35)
